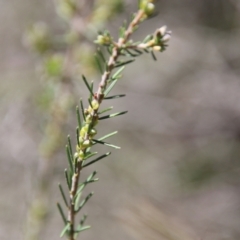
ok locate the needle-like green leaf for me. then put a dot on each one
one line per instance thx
(85, 200)
(77, 134)
(105, 110)
(107, 136)
(96, 160)
(112, 115)
(153, 56)
(146, 50)
(122, 31)
(83, 219)
(87, 84)
(68, 179)
(70, 146)
(63, 194)
(65, 230)
(78, 118)
(137, 51)
(109, 88)
(101, 55)
(77, 200)
(124, 63)
(118, 72)
(115, 96)
(82, 108)
(89, 154)
(109, 49)
(90, 179)
(70, 162)
(107, 144)
(81, 226)
(147, 38)
(82, 229)
(113, 80)
(62, 213)
(98, 64)
(90, 102)
(131, 54)
(78, 195)
(91, 86)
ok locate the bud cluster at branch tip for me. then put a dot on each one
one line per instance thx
(158, 41)
(147, 7)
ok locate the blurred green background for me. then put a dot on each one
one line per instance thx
(177, 174)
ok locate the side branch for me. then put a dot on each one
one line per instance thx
(116, 53)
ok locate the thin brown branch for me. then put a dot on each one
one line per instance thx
(71, 213)
(116, 53)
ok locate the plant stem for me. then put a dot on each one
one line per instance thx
(99, 95)
(71, 216)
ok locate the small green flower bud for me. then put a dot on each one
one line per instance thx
(89, 110)
(147, 6)
(81, 154)
(149, 9)
(151, 43)
(103, 39)
(86, 111)
(100, 40)
(156, 48)
(95, 104)
(81, 140)
(75, 155)
(84, 130)
(88, 119)
(93, 132)
(87, 143)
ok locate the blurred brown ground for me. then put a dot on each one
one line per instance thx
(179, 161)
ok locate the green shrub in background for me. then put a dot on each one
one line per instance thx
(63, 57)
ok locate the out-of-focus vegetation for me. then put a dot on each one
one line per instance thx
(183, 159)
